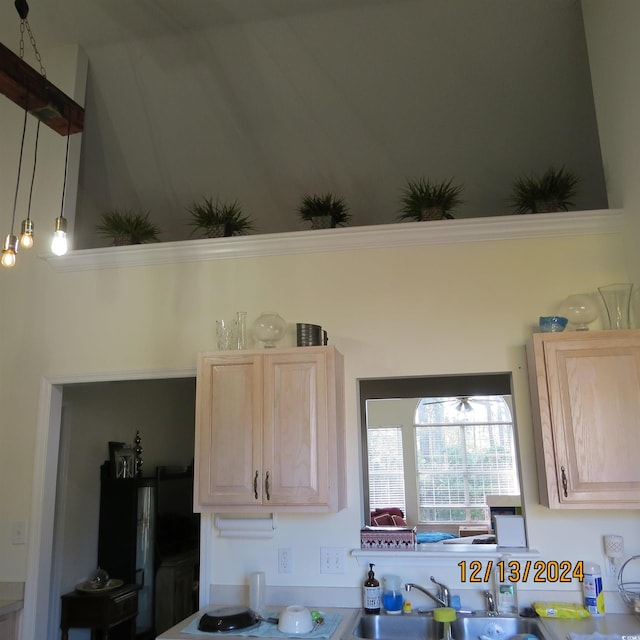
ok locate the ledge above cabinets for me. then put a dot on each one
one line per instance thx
(439, 232)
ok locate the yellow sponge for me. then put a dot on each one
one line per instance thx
(444, 614)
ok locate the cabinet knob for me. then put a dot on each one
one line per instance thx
(266, 486)
(255, 486)
(564, 482)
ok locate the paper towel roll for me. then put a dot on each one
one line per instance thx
(257, 590)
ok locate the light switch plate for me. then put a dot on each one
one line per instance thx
(19, 532)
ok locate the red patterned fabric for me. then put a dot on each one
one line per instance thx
(388, 517)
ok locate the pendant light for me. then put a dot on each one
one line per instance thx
(10, 244)
(32, 91)
(59, 245)
(26, 229)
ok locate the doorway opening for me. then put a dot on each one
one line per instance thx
(78, 417)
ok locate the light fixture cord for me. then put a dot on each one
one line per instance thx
(15, 198)
(66, 162)
(33, 174)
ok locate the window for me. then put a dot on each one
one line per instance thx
(386, 468)
(465, 450)
(438, 457)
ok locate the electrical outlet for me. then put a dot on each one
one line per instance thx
(285, 560)
(331, 559)
(610, 567)
(19, 532)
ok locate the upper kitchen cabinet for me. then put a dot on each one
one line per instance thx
(585, 395)
(270, 431)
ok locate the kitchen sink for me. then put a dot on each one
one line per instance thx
(493, 627)
(424, 627)
(394, 627)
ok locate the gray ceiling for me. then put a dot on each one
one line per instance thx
(261, 101)
(96, 22)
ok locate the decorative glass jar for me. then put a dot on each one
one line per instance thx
(269, 328)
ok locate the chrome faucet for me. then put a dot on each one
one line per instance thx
(491, 603)
(443, 599)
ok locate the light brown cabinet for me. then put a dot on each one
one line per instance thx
(270, 430)
(585, 395)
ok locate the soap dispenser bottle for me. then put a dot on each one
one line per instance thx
(371, 589)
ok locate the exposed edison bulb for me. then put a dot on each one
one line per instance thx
(59, 243)
(9, 250)
(26, 234)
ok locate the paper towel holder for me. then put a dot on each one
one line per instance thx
(238, 526)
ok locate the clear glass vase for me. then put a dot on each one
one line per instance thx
(581, 309)
(241, 329)
(617, 302)
(269, 328)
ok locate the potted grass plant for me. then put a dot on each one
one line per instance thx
(324, 211)
(125, 226)
(426, 200)
(553, 190)
(219, 219)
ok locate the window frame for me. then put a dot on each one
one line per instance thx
(426, 386)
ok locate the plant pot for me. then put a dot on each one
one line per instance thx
(432, 213)
(216, 231)
(321, 222)
(122, 240)
(546, 206)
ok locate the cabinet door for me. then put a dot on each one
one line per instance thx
(590, 418)
(229, 431)
(295, 446)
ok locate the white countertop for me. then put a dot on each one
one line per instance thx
(609, 624)
(557, 628)
(348, 616)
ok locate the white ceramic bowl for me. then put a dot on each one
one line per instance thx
(295, 619)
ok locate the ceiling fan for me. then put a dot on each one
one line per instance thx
(462, 404)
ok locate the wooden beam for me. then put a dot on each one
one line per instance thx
(45, 101)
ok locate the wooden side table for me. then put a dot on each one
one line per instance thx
(100, 612)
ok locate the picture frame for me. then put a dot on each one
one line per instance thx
(125, 462)
(122, 457)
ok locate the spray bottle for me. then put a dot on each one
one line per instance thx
(592, 589)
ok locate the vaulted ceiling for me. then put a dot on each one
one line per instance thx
(261, 101)
(98, 22)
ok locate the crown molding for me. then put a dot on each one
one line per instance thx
(406, 234)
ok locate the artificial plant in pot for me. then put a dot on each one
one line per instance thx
(426, 200)
(553, 190)
(125, 226)
(324, 211)
(219, 219)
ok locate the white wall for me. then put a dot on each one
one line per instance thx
(613, 54)
(354, 99)
(403, 311)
